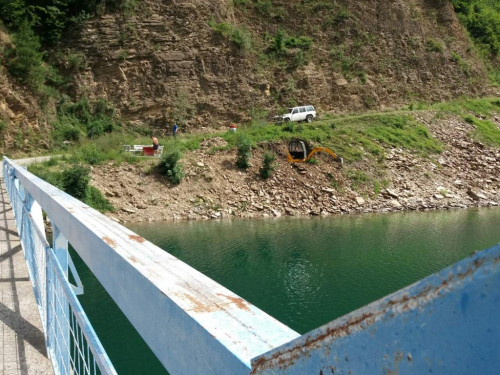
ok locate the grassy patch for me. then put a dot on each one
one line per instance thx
(363, 137)
(486, 131)
(359, 179)
(434, 45)
(239, 35)
(353, 138)
(484, 106)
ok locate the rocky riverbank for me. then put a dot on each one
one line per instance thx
(465, 174)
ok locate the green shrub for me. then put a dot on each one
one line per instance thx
(239, 35)
(221, 28)
(288, 127)
(92, 155)
(303, 42)
(182, 108)
(485, 131)
(241, 38)
(52, 161)
(170, 165)
(268, 165)
(53, 178)
(358, 178)
(75, 62)
(244, 145)
(336, 19)
(93, 118)
(362, 77)
(70, 133)
(482, 20)
(96, 200)
(299, 59)
(265, 7)
(122, 55)
(278, 42)
(291, 127)
(281, 42)
(434, 46)
(76, 181)
(464, 67)
(258, 117)
(25, 60)
(318, 7)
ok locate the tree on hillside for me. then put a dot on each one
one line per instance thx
(49, 18)
(25, 60)
(482, 20)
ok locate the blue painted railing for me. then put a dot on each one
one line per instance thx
(72, 344)
(445, 324)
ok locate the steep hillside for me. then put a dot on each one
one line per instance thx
(20, 114)
(210, 62)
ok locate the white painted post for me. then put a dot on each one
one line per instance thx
(61, 308)
(36, 213)
(60, 246)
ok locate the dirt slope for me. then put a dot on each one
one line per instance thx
(466, 174)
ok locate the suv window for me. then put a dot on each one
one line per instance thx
(310, 108)
(295, 111)
(302, 109)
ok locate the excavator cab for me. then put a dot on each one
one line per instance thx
(300, 151)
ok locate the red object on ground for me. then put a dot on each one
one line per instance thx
(148, 151)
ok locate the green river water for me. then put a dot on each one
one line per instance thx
(303, 271)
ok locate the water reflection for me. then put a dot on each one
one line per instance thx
(304, 272)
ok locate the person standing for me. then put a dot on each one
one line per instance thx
(174, 130)
(155, 145)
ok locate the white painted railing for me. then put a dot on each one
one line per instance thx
(192, 324)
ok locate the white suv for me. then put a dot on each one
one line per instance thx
(303, 113)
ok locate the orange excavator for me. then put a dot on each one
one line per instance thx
(300, 151)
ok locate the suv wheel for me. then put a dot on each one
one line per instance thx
(286, 119)
(309, 118)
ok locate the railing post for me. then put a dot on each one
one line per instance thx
(60, 246)
(36, 212)
(61, 318)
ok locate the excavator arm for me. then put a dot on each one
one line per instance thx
(328, 151)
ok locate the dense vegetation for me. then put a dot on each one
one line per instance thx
(50, 18)
(482, 20)
(38, 25)
(83, 118)
(74, 179)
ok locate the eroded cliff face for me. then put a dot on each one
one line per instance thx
(165, 58)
